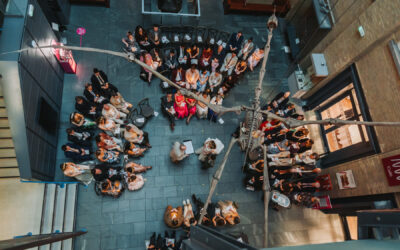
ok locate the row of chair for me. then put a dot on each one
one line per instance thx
(140, 117)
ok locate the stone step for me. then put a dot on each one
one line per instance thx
(6, 143)
(4, 122)
(5, 133)
(7, 152)
(8, 162)
(2, 103)
(69, 215)
(3, 112)
(47, 211)
(9, 172)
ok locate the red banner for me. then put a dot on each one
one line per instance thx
(391, 166)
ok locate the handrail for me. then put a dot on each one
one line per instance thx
(59, 183)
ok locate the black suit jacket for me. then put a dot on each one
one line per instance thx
(96, 83)
(235, 43)
(84, 108)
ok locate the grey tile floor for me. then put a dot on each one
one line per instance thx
(126, 222)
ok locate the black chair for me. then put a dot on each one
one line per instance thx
(145, 109)
(201, 36)
(137, 119)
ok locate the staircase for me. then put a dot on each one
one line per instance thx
(58, 213)
(8, 161)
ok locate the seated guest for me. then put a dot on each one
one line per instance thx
(180, 105)
(192, 76)
(86, 108)
(199, 206)
(107, 156)
(298, 134)
(193, 53)
(230, 82)
(201, 108)
(182, 56)
(135, 182)
(98, 79)
(279, 101)
(78, 171)
(173, 217)
(79, 137)
(216, 100)
(217, 218)
(301, 146)
(188, 215)
(130, 44)
(253, 181)
(135, 135)
(235, 42)
(155, 54)
(229, 212)
(119, 102)
(210, 147)
(296, 171)
(112, 188)
(214, 80)
(167, 107)
(304, 199)
(229, 63)
(93, 96)
(112, 113)
(77, 153)
(133, 150)
(191, 105)
(255, 58)
(171, 62)
(205, 59)
(103, 171)
(108, 125)
(177, 152)
(287, 111)
(222, 91)
(80, 121)
(247, 48)
(108, 142)
(240, 68)
(256, 167)
(155, 36)
(202, 82)
(284, 159)
(135, 168)
(108, 89)
(178, 77)
(214, 64)
(219, 54)
(148, 60)
(141, 38)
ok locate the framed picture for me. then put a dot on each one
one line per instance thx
(346, 179)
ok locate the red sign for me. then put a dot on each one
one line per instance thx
(392, 169)
(323, 203)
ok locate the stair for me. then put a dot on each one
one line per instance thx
(8, 160)
(58, 214)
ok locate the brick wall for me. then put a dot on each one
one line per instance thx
(379, 79)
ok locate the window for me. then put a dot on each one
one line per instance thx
(343, 98)
(344, 107)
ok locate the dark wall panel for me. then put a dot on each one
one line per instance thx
(41, 77)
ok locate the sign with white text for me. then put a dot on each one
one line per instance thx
(391, 165)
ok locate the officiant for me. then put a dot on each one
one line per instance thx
(178, 152)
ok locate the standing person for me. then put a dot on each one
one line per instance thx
(167, 107)
(171, 61)
(191, 105)
(214, 80)
(155, 36)
(229, 63)
(211, 148)
(202, 82)
(192, 76)
(216, 100)
(177, 152)
(180, 105)
(202, 108)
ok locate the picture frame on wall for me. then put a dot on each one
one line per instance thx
(346, 179)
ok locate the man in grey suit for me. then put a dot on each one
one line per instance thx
(155, 36)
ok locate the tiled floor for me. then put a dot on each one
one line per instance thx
(126, 222)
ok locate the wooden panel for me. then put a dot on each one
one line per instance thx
(9, 152)
(3, 113)
(9, 172)
(4, 123)
(5, 133)
(6, 143)
(8, 162)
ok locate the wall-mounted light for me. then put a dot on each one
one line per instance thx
(361, 31)
(30, 10)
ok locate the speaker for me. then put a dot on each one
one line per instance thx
(172, 6)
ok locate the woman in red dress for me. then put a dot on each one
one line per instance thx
(180, 106)
(191, 103)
